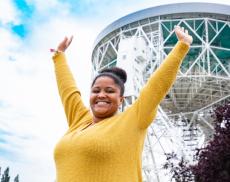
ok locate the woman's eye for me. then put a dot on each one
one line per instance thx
(95, 91)
(110, 91)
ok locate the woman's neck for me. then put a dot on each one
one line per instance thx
(97, 120)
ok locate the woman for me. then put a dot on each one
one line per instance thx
(103, 145)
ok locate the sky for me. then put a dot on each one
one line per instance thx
(32, 119)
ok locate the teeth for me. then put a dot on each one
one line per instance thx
(101, 102)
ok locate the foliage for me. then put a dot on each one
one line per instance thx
(16, 179)
(213, 161)
(178, 168)
(5, 177)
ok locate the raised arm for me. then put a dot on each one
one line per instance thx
(75, 110)
(161, 80)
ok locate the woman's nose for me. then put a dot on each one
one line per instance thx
(101, 94)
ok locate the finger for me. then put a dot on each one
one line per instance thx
(61, 46)
(176, 27)
(70, 40)
(182, 28)
(64, 41)
(186, 31)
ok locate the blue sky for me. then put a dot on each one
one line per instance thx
(31, 115)
(25, 11)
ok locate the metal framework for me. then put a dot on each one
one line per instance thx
(184, 119)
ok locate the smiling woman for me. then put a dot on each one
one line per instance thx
(107, 93)
(103, 145)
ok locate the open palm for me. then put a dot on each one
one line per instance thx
(182, 35)
(64, 44)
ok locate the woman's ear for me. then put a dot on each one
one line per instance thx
(121, 99)
(120, 104)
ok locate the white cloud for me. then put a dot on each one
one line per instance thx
(46, 8)
(9, 43)
(8, 12)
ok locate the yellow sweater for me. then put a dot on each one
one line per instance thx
(111, 150)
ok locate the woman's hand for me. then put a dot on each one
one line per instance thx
(64, 44)
(182, 35)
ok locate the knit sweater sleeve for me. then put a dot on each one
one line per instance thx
(75, 110)
(145, 107)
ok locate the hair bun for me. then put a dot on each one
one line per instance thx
(121, 73)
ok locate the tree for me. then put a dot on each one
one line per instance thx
(16, 179)
(178, 168)
(213, 161)
(5, 176)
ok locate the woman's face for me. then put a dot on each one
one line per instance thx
(105, 97)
